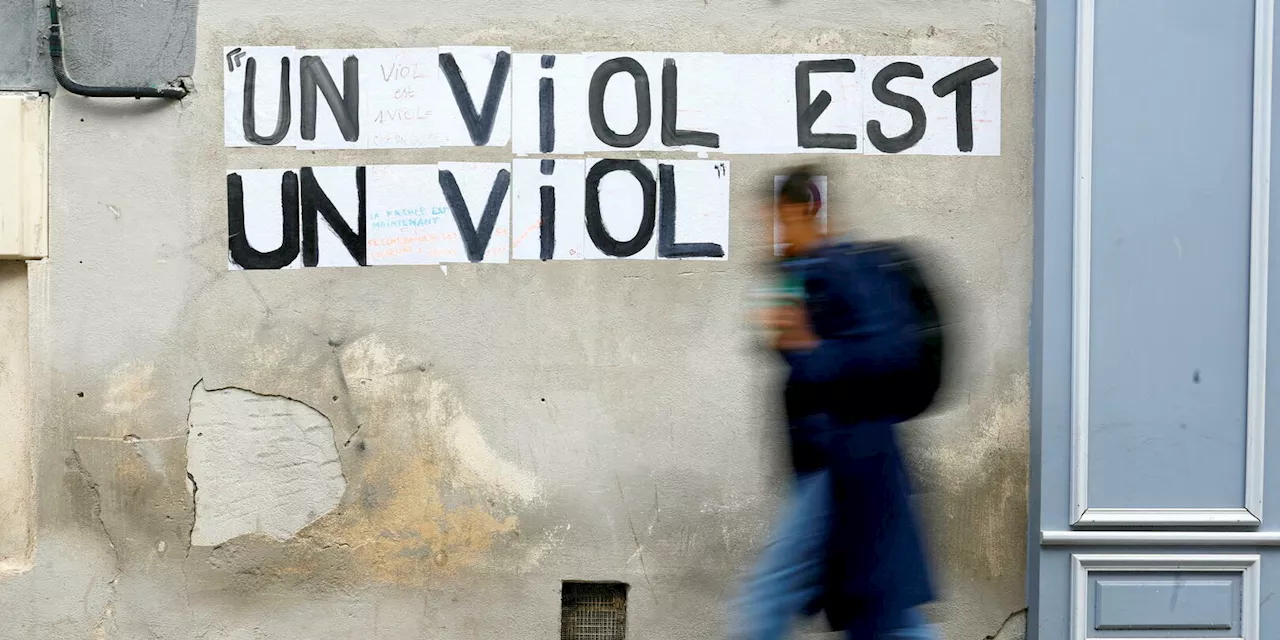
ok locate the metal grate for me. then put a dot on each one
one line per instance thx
(593, 611)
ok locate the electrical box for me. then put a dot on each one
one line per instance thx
(24, 176)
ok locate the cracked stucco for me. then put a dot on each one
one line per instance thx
(258, 465)
(429, 497)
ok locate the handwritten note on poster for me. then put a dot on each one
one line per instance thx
(407, 215)
(401, 95)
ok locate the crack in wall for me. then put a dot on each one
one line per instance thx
(195, 490)
(999, 634)
(107, 615)
(97, 502)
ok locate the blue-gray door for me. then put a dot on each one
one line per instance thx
(1155, 492)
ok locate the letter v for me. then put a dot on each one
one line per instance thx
(475, 239)
(479, 125)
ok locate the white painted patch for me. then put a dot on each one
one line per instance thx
(478, 464)
(436, 416)
(260, 464)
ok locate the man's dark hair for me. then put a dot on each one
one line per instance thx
(798, 187)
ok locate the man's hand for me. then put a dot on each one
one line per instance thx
(791, 327)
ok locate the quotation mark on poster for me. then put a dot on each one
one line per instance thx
(234, 57)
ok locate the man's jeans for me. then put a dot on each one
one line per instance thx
(788, 575)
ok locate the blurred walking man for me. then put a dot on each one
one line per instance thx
(846, 543)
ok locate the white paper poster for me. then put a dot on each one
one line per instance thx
(897, 87)
(408, 219)
(698, 80)
(621, 209)
(623, 107)
(462, 212)
(331, 103)
(562, 181)
(260, 211)
(549, 103)
(698, 215)
(832, 119)
(336, 198)
(477, 109)
(570, 103)
(479, 200)
(261, 68)
(401, 93)
(764, 120)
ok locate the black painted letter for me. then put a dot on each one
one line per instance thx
(547, 109)
(242, 253)
(595, 103)
(606, 243)
(284, 117)
(808, 112)
(475, 239)
(479, 125)
(345, 106)
(667, 245)
(316, 204)
(880, 89)
(547, 227)
(671, 136)
(961, 82)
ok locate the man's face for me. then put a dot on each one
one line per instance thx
(797, 225)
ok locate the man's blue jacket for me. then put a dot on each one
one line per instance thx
(840, 411)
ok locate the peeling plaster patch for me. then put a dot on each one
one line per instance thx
(258, 464)
(430, 492)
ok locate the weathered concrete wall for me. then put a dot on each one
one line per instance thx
(496, 429)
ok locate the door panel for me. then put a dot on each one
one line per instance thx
(1151, 368)
(1169, 262)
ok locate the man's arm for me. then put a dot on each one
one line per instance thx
(881, 342)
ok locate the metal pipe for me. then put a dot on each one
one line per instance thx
(172, 91)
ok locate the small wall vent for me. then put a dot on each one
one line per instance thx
(593, 610)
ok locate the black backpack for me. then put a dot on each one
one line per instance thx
(915, 390)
